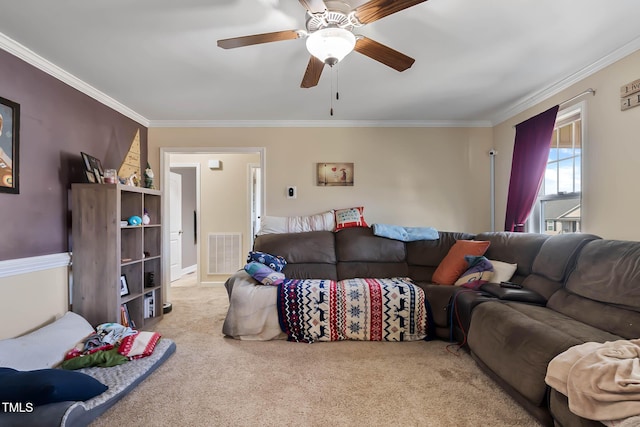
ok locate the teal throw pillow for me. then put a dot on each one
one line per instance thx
(263, 273)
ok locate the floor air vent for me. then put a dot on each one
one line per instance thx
(225, 253)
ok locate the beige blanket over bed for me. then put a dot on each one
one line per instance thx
(600, 380)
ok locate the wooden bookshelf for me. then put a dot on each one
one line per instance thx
(103, 250)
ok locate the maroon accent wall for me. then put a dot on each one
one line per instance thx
(57, 122)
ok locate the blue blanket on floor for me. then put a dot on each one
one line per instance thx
(406, 234)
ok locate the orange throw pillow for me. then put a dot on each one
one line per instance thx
(454, 264)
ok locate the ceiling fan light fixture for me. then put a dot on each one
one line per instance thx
(331, 45)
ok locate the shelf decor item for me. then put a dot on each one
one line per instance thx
(9, 140)
(92, 168)
(148, 177)
(124, 286)
(130, 167)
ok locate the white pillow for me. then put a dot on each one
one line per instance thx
(44, 347)
(502, 271)
(273, 225)
(324, 221)
(297, 224)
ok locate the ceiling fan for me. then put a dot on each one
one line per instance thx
(330, 37)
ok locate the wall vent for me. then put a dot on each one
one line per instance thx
(225, 253)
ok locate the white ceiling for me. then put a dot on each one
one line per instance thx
(477, 61)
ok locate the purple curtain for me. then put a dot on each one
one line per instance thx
(530, 155)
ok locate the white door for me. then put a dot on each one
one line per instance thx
(255, 185)
(175, 225)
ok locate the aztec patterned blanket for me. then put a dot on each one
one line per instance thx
(353, 309)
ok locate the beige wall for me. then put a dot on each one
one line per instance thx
(611, 164)
(407, 176)
(224, 200)
(28, 301)
(410, 176)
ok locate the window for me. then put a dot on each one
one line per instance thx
(557, 208)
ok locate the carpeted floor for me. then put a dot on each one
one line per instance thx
(216, 381)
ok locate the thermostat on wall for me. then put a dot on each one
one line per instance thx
(291, 192)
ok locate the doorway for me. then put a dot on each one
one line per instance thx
(255, 198)
(184, 205)
(208, 203)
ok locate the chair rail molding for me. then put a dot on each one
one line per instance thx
(14, 267)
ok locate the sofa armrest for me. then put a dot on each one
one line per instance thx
(510, 294)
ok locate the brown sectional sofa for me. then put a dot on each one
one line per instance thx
(576, 288)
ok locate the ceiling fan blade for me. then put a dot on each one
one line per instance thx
(381, 53)
(314, 6)
(377, 9)
(313, 72)
(258, 39)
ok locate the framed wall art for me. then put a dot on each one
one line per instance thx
(334, 174)
(92, 168)
(9, 146)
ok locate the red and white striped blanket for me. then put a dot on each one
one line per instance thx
(353, 309)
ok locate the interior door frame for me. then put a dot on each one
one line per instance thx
(165, 164)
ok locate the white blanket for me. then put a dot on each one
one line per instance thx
(253, 313)
(600, 380)
(324, 221)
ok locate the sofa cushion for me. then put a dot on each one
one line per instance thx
(43, 386)
(375, 270)
(514, 248)
(558, 254)
(454, 264)
(608, 271)
(46, 346)
(430, 253)
(302, 270)
(361, 245)
(554, 262)
(616, 320)
(308, 247)
(517, 341)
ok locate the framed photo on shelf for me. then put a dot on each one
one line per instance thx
(9, 145)
(92, 166)
(124, 286)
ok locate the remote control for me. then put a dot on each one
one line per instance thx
(510, 285)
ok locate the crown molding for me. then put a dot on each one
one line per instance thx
(318, 123)
(517, 107)
(32, 58)
(14, 267)
(539, 96)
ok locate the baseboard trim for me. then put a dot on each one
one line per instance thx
(14, 267)
(189, 270)
(211, 283)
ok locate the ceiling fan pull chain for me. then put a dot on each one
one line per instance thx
(337, 83)
(331, 92)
